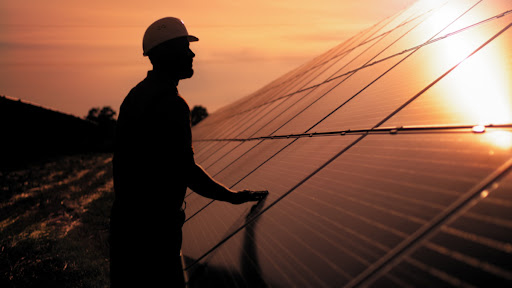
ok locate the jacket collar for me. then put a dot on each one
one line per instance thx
(163, 77)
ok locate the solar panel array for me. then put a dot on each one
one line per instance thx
(388, 160)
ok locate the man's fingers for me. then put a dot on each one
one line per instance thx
(248, 195)
(257, 195)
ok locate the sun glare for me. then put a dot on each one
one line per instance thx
(499, 139)
(478, 91)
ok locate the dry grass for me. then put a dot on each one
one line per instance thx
(54, 220)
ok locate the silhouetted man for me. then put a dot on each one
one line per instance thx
(154, 165)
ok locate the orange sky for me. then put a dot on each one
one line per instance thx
(74, 55)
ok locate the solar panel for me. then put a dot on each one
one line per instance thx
(388, 160)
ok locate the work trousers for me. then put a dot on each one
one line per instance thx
(145, 253)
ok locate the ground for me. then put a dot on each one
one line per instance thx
(54, 219)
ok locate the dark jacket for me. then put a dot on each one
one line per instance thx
(153, 148)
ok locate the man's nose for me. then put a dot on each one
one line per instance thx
(191, 54)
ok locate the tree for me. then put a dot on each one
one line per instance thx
(105, 117)
(197, 114)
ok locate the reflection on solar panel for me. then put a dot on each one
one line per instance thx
(388, 160)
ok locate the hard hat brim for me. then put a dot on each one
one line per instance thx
(192, 38)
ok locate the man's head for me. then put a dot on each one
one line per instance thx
(166, 43)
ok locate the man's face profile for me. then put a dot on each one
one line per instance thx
(175, 57)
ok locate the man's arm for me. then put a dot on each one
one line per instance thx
(206, 186)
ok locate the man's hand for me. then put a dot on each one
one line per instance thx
(247, 195)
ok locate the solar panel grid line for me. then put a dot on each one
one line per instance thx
(300, 271)
(482, 240)
(272, 204)
(241, 179)
(198, 211)
(361, 238)
(391, 231)
(493, 253)
(230, 128)
(432, 41)
(224, 155)
(383, 265)
(308, 75)
(302, 266)
(374, 43)
(476, 263)
(237, 121)
(355, 95)
(445, 192)
(348, 76)
(221, 153)
(377, 130)
(263, 121)
(241, 133)
(443, 75)
(206, 153)
(344, 53)
(353, 245)
(414, 279)
(246, 121)
(273, 97)
(241, 150)
(303, 71)
(447, 278)
(269, 255)
(406, 171)
(262, 163)
(313, 228)
(296, 275)
(372, 223)
(490, 220)
(320, 60)
(466, 28)
(382, 199)
(306, 246)
(252, 265)
(213, 162)
(411, 218)
(303, 66)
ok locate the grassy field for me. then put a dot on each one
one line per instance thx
(54, 219)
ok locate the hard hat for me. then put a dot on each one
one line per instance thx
(162, 30)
